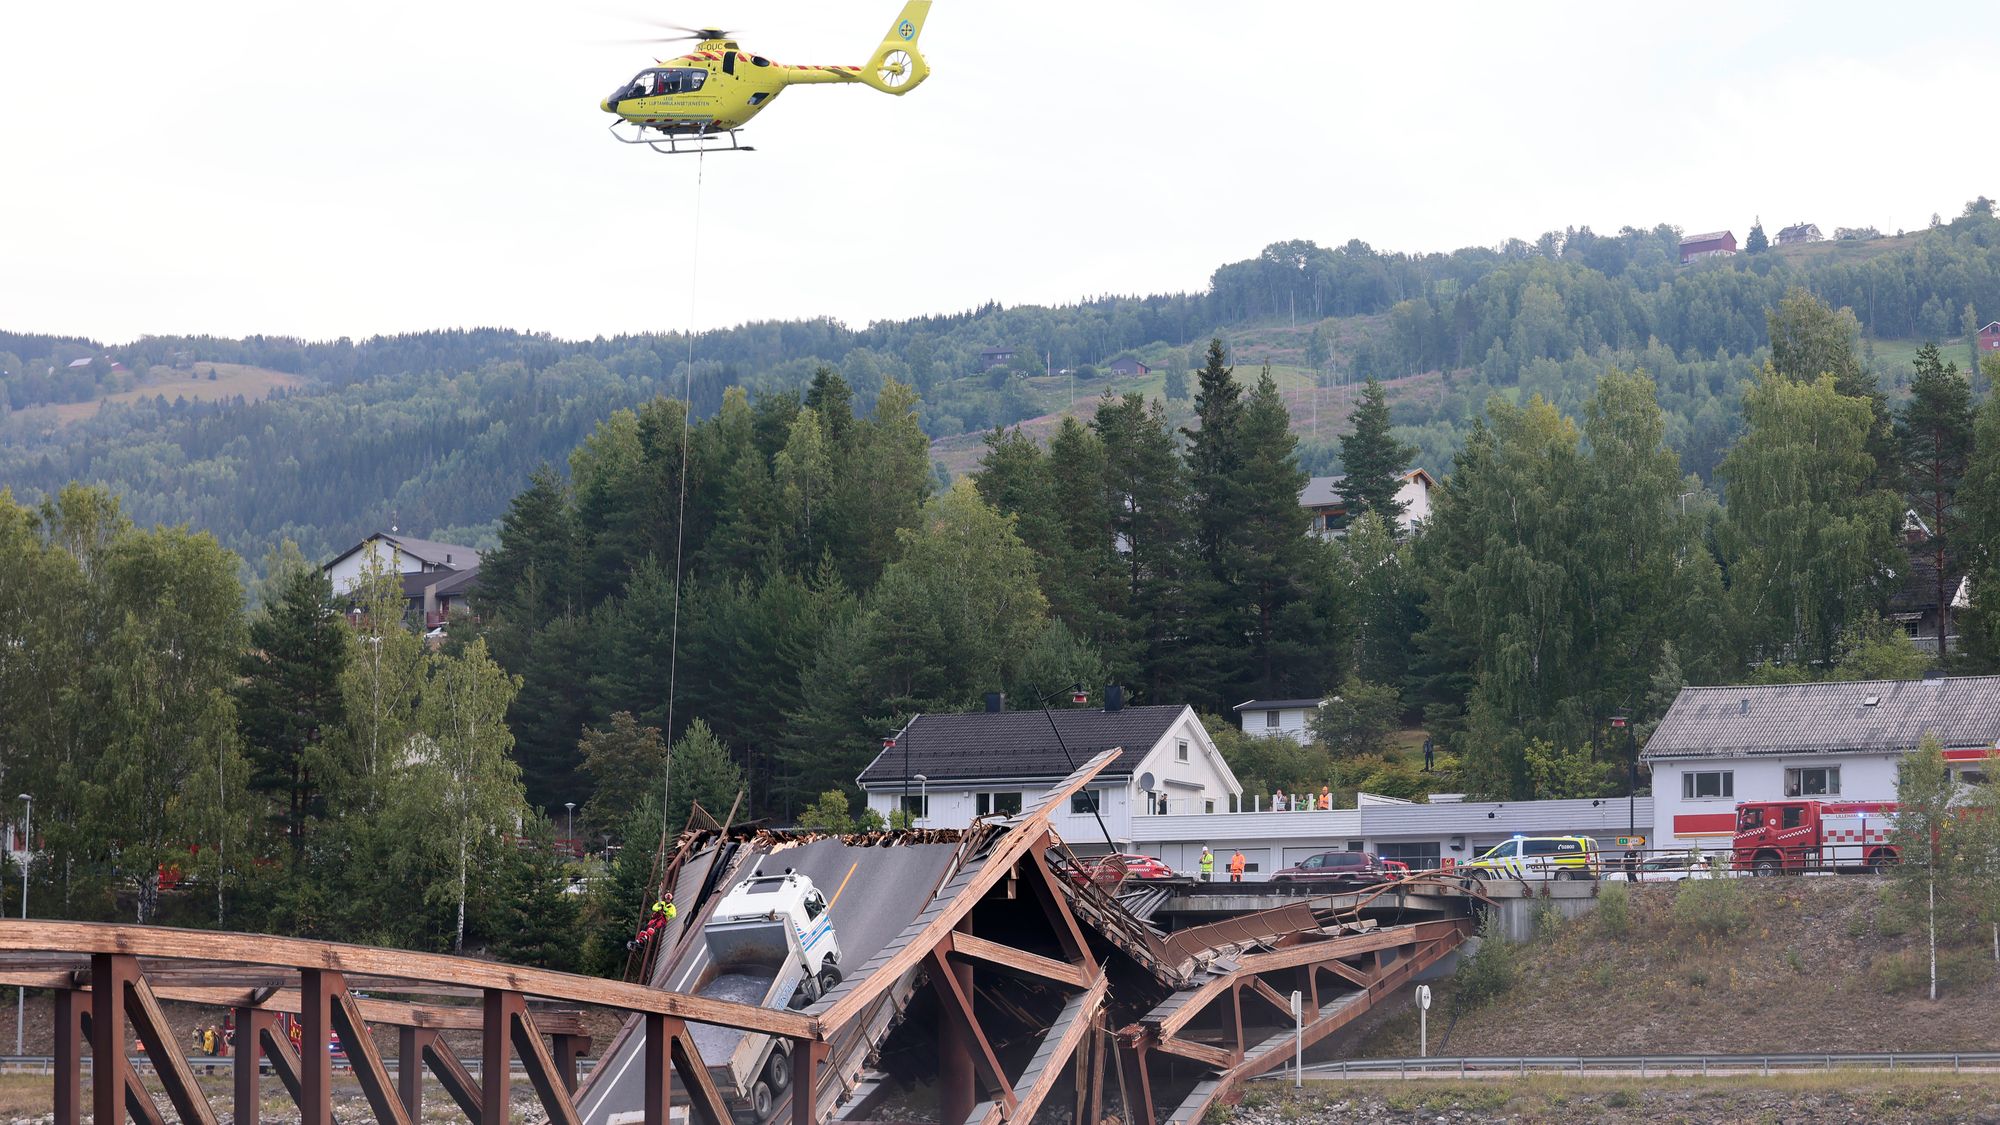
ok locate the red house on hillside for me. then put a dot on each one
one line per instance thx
(1989, 338)
(1717, 244)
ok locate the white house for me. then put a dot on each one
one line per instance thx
(1321, 496)
(438, 578)
(948, 769)
(1721, 745)
(1273, 718)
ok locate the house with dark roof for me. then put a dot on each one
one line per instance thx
(948, 769)
(438, 578)
(1278, 718)
(1126, 366)
(1321, 496)
(990, 358)
(1835, 741)
(1798, 233)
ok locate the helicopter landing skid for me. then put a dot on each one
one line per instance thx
(681, 144)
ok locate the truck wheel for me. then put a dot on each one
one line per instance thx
(778, 1072)
(829, 978)
(760, 1100)
(1767, 864)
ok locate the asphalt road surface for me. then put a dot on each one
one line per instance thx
(874, 893)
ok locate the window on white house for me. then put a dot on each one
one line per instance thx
(1812, 781)
(1971, 776)
(1708, 783)
(1424, 856)
(1208, 806)
(1085, 801)
(1271, 719)
(916, 805)
(1180, 751)
(1003, 804)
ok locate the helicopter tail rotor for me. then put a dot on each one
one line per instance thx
(897, 67)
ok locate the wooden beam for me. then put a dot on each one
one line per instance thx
(1015, 961)
(496, 1057)
(366, 1061)
(1282, 1003)
(316, 988)
(543, 1073)
(443, 1017)
(703, 1097)
(958, 1006)
(458, 1083)
(262, 949)
(1359, 977)
(164, 1048)
(109, 1068)
(994, 867)
(1056, 905)
(70, 1038)
(808, 1064)
(1066, 1046)
(1216, 1057)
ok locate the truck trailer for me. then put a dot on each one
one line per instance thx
(769, 942)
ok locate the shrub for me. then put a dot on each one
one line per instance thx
(1711, 907)
(1614, 910)
(1548, 919)
(1488, 973)
(1909, 973)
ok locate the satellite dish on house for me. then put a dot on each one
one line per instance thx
(1146, 781)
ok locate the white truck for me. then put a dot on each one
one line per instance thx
(770, 942)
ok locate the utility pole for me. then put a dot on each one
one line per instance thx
(27, 849)
(1632, 774)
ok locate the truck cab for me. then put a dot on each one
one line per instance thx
(746, 926)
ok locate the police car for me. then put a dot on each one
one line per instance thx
(1539, 857)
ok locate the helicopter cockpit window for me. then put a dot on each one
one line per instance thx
(679, 80)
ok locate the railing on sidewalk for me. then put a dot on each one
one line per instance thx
(1702, 1065)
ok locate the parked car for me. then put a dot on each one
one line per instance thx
(1539, 857)
(1108, 870)
(1676, 868)
(1352, 869)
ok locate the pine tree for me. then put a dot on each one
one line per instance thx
(1935, 433)
(703, 773)
(289, 703)
(529, 579)
(1214, 454)
(1756, 243)
(1275, 559)
(1373, 459)
(625, 761)
(1145, 503)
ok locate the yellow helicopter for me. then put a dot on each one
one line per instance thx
(698, 101)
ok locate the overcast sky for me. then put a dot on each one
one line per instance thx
(242, 166)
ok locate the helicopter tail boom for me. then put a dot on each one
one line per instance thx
(897, 67)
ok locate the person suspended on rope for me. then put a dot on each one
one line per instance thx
(664, 912)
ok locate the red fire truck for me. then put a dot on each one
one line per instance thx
(1775, 836)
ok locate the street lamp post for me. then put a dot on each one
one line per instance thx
(1632, 773)
(923, 796)
(27, 846)
(571, 806)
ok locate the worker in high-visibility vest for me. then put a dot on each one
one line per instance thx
(1207, 864)
(1236, 865)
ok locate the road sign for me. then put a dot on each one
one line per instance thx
(1424, 1020)
(1631, 841)
(1424, 996)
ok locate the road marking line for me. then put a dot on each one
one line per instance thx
(843, 884)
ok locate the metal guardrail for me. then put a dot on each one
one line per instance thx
(1643, 1065)
(226, 1064)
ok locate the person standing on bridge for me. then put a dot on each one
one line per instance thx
(1236, 864)
(1207, 864)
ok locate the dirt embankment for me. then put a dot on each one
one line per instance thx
(1812, 964)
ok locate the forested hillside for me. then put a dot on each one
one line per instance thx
(436, 430)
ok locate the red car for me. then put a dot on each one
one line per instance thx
(1109, 870)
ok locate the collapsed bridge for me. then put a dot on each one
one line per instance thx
(986, 981)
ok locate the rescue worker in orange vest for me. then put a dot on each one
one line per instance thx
(1325, 799)
(1236, 863)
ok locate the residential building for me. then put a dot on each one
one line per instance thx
(1125, 365)
(1799, 232)
(1716, 244)
(1321, 496)
(990, 358)
(1278, 718)
(438, 578)
(947, 769)
(1914, 603)
(1421, 835)
(1721, 745)
(1989, 338)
